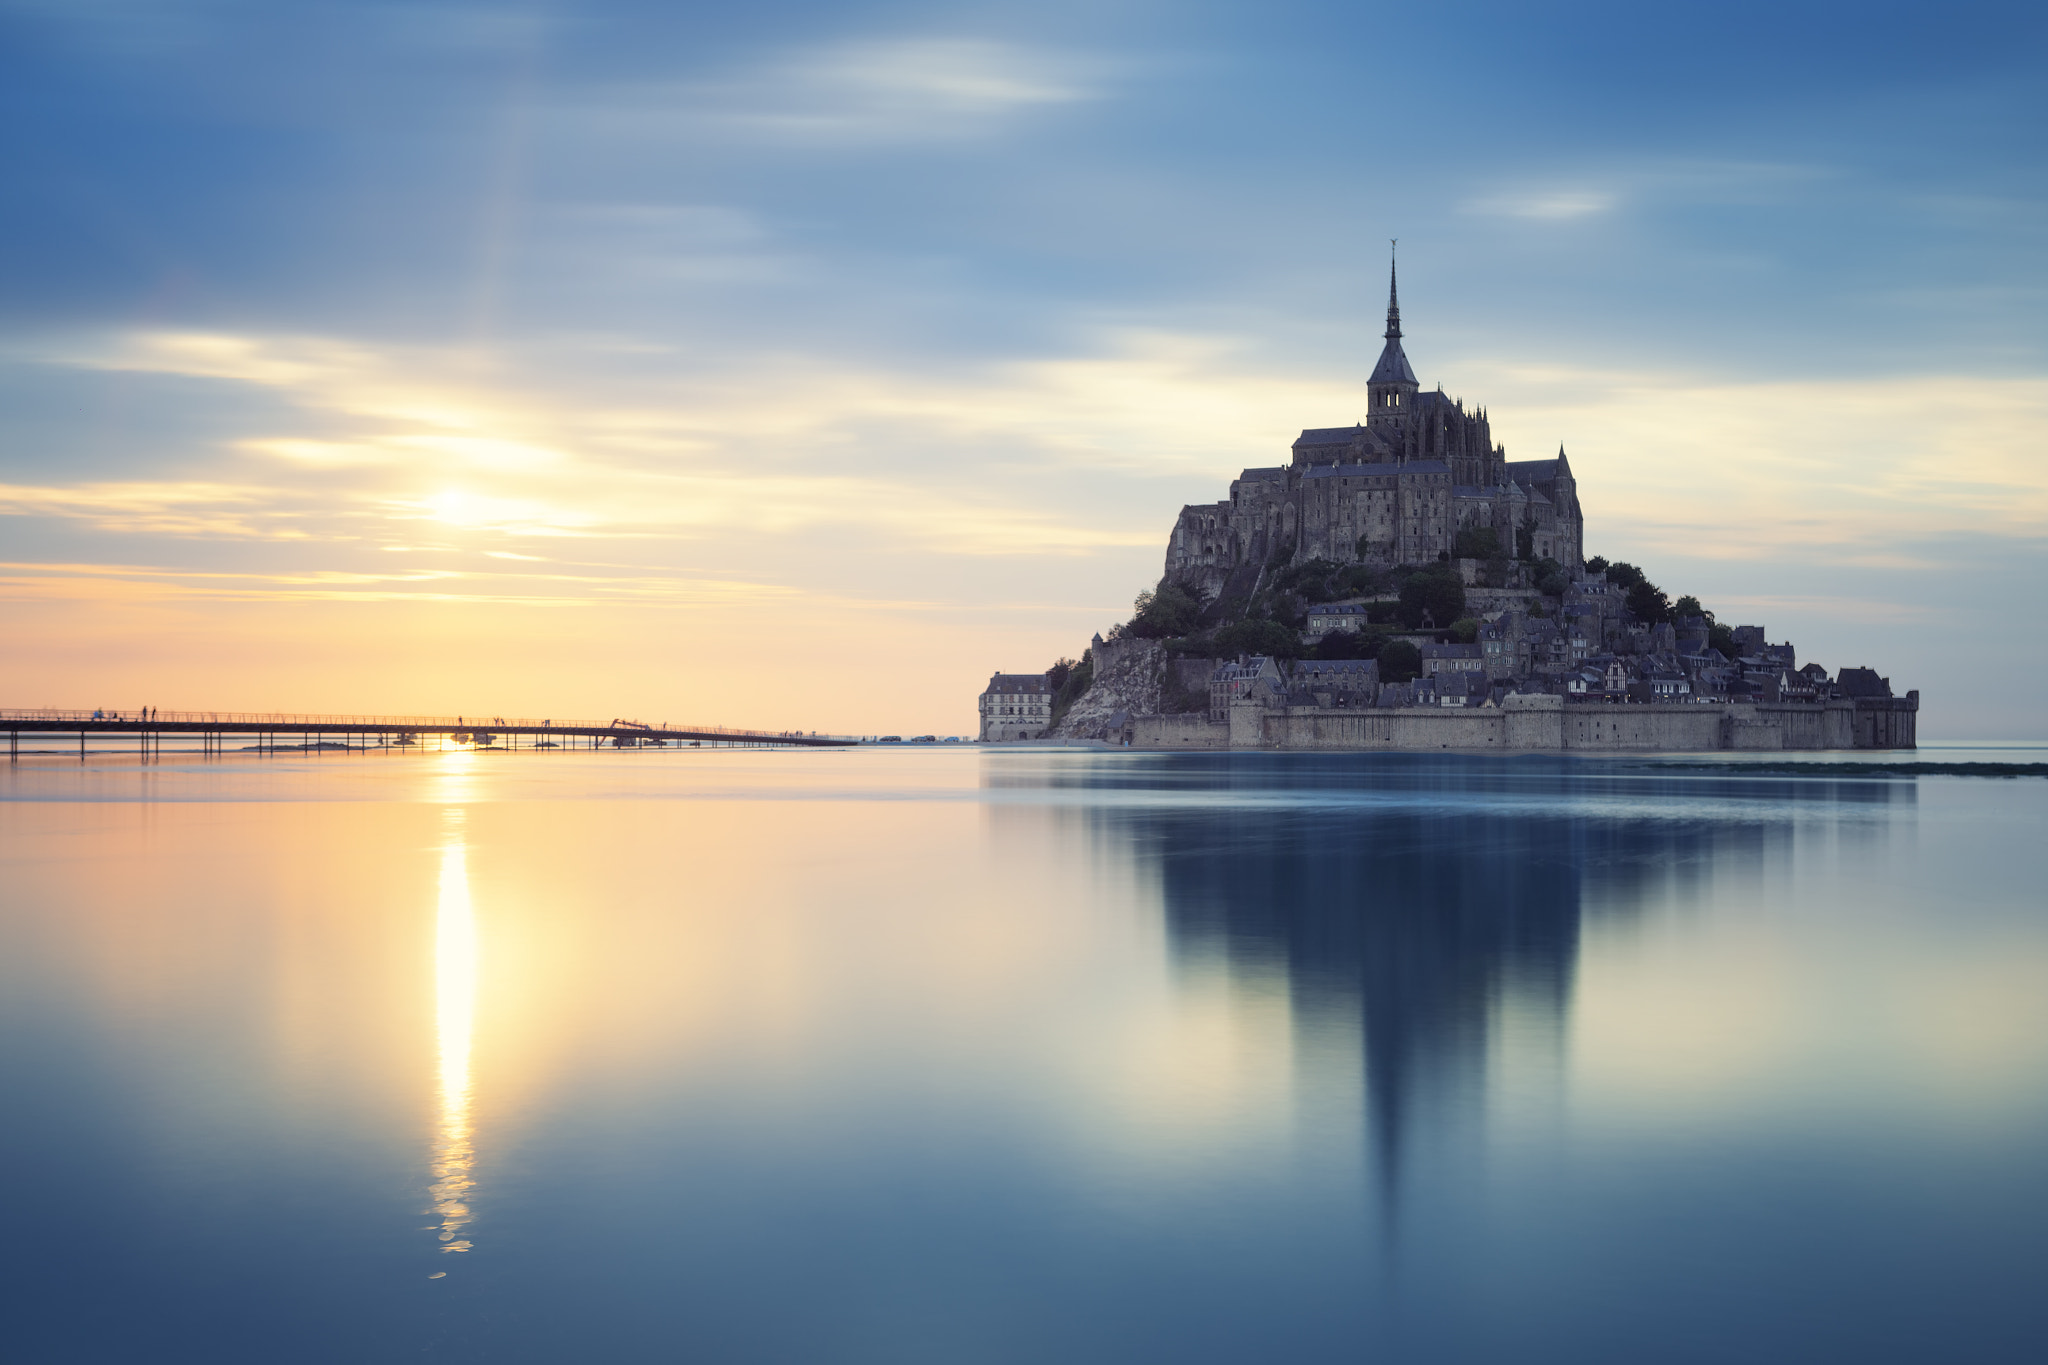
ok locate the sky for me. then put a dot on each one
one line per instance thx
(799, 365)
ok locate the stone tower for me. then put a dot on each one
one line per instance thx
(1392, 387)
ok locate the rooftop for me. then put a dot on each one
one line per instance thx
(1017, 682)
(1366, 471)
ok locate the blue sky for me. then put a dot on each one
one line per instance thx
(713, 362)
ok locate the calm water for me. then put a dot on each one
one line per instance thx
(950, 1056)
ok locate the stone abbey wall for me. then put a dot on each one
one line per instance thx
(1523, 723)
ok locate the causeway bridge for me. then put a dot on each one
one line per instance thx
(144, 730)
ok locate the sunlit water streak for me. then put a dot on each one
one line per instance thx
(455, 981)
(1200, 1058)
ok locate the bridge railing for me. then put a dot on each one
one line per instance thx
(59, 715)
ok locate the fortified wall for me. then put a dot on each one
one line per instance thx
(1541, 722)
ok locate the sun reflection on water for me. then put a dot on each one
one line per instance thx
(455, 976)
(454, 775)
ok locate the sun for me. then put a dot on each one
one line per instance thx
(457, 508)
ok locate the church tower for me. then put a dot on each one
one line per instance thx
(1392, 387)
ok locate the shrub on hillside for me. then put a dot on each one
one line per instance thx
(1358, 580)
(1324, 580)
(1476, 542)
(1168, 609)
(1648, 602)
(1073, 680)
(1434, 597)
(1257, 637)
(1400, 661)
(1343, 644)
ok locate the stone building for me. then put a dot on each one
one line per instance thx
(1257, 678)
(1325, 617)
(1334, 682)
(1452, 659)
(1016, 706)
(1396, 488)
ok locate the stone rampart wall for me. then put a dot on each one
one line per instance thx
(1524, 723)
(1194, 731)
(1645, 727)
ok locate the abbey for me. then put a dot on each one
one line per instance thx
(1394, 489)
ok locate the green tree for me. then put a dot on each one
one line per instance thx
(1434, 596)
(1342, 644)
(1722, 639)
(1359, 579)
(1648, 602)
(1551, 579)
(1400, 661)
(1078, 678)
(1258, 637)
(1596, 565)
(1289, 610)
(1689, 605)
(1476, 542)
(1465, 631)
(1313, 580)
(1623, 574)
(1167, 610)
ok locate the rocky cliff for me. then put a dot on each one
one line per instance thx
(1134, 678)
(1127, 675)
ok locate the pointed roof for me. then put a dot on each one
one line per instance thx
(1393, 367)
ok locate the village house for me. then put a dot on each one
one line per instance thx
(1016, 706)
(1325, 617)
(1452, 659)
(1254, 678)
(1335, 682)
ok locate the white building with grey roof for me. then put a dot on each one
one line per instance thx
(1016, 706)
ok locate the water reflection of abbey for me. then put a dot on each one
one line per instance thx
(1421, 908)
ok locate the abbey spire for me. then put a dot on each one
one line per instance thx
(1393, 332)
(1391, 390)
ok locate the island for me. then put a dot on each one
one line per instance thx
(1400, 583)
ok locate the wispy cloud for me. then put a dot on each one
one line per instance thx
(1853, 470)
(97, 581)
(999, 460)
(196, 509)
(901, 90)
(1593, 193)
(1555, 205)
(440, 445)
